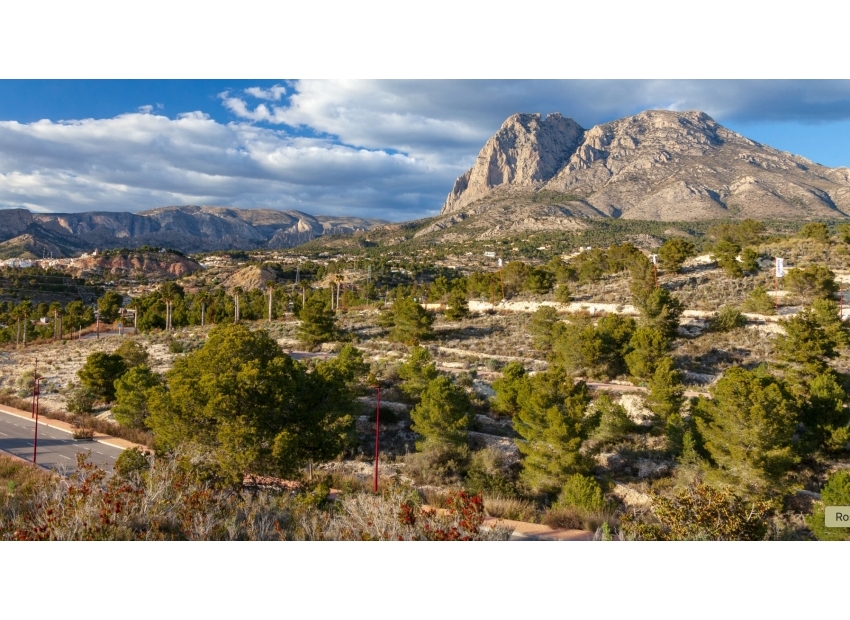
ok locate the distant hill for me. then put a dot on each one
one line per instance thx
(187, 228)
(552, 174)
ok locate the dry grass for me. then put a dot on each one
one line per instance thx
(501, 507)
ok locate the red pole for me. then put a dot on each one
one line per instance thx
(34, 384)
(377, 431)
(35, 438)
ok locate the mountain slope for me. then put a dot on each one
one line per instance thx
(656, 165)
(187, 228)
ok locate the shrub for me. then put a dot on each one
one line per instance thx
(81, 400)
(440, 464)
(131, 462)
(836, 492)
(581, 492)
(509, 507)
(759, 302)
(488, 474)
(727, 319)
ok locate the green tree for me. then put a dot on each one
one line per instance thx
(508, 387)
(131, 396)
(844, 232)
(836, 492)
(539, 281)
(251, 407)
(610, 423)
(812, 282)
(674, 252)
(412, 323)
(665, 389)
(551, 423)
(661, 310)
(109, 306)
(750, 260)
(648, 348)
(318, 322)
(563, 294)
(747, 429)
(812, 337)
(442, 415)
(514, 275)
(823, 412)
(100, 372)
(458, 306)
(540, 327)
(417, 372)
(642, 279)
(816, 231)
(133, 353)
(726, 255)
(759, 302)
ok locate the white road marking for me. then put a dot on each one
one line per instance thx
(4, 434)
(67, 458)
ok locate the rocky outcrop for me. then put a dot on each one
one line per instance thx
(151, 265)
(656, 165)
(526, 152)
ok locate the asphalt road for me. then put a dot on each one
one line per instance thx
(57, 450)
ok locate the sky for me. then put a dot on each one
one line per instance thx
(389, 149)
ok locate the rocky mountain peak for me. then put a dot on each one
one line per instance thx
(525, 152)
(658, 164)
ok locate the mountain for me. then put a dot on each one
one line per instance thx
(187, 228)
(540, 173)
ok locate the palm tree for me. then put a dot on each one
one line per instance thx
(270, 286)
(55, 308)
(203, 297)
(26, 309)
(237, 292)
(15, 313)
(168, 291)
(339, 279)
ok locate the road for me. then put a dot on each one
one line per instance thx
(57, 450)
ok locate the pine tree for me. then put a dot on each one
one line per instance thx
(665, 389)
(318, 322)
(551, 423)
(131, 396)
(412, 323)
(674, 252)
(508, 387)
(747, 428)
(540, 327)
(417, 372)
(442, 415)
(649, 346)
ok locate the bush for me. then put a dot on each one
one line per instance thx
(133, 353)
(131, 462)
(488, 474)
(81, 400)
(581, 492)
(440, 464)
(836, 492)
(759, 302)
(509, 507)
(727, 319)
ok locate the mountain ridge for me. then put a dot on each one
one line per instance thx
(190, 228)
(658, 164)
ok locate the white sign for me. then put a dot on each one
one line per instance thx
(654, 258)
(500, 263)
(780, 267)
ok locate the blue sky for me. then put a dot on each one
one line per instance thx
(388, 149)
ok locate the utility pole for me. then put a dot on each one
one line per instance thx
(778, 273)
(654, 259)
(97, 323)
(34, 383)
(377, 437)
(35, 432)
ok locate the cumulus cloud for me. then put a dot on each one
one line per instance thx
(372, 148)
(143, 160)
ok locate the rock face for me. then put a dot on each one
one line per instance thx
(188, 228)
(524, 153)
(656, 165)
(135, 264)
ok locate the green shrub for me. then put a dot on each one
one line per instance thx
(727, 319)
(836, 492)
(581, 492)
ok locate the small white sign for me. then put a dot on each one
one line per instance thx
(654, 258)
(780, 267)
(500, 263)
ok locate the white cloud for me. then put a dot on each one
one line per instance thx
(270, 94)
(143, 160)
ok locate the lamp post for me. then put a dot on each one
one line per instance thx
(35, 432)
